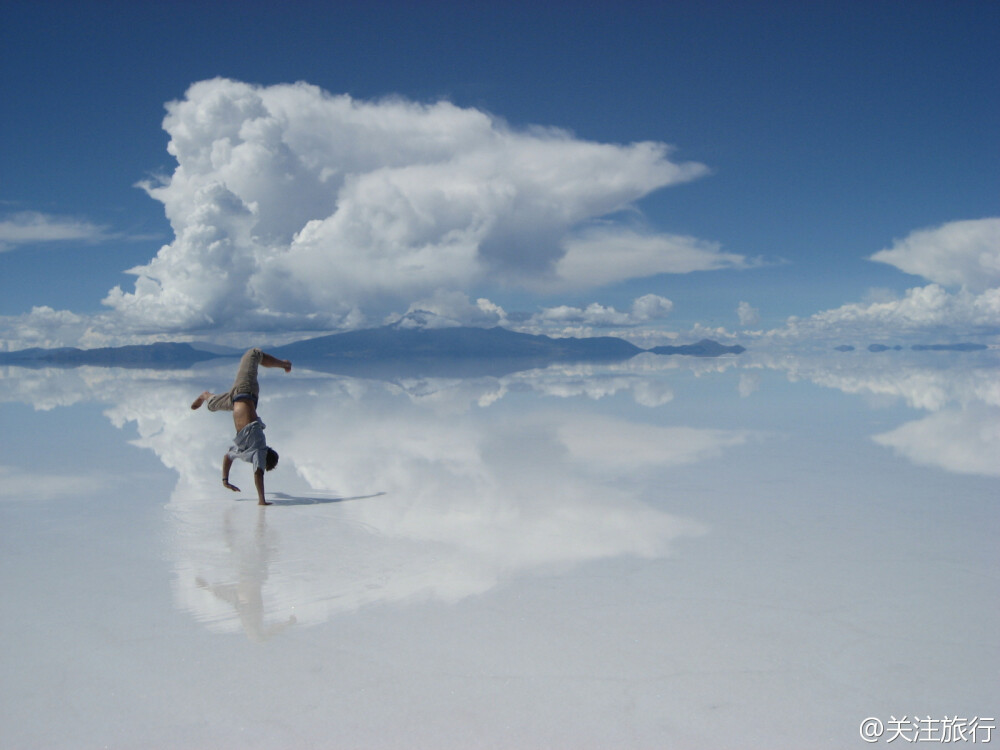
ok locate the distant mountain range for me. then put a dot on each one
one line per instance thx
(461, 351)
(399, 350)
(391, 342)
(455, 350)
(160, 355)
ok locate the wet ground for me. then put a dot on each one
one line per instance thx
(737, 552)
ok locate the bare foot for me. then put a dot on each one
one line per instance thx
(264, 502)
(200, 400)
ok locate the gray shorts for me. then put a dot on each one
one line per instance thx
(245, 387)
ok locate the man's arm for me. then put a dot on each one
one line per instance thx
(227, 464)
(258, 480)
(268, 361)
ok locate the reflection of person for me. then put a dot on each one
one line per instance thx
(246, 595)
(249, 443)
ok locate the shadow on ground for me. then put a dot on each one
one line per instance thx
(281, 498)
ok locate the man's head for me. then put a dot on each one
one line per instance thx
(272, 459)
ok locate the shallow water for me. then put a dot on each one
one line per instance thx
(736, 552)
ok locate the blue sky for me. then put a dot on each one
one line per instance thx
(814, 135)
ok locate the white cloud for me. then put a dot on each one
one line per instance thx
(923, 311)
(960, 253)
(749, 316)
(32, 227)
(607, 254)
(42, 327)
(292, 207)
(651, 307)
(446, 309)
(644, 309)
(48, 328)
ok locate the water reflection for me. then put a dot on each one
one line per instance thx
(929, 381)
(959, 441)
(242, 591)
(961, 433)
(396, 491)
(439, 489)
(448, 498)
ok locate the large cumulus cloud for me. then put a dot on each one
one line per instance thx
(292, 207)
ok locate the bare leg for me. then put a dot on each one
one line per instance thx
(200, 400)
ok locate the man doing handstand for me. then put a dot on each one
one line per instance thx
(241, 400)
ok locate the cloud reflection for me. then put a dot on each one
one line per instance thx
(437, 489)
(923, 380)
(963, 442)
(426, 489)
(17, 484)
(962, 433)
(449, 498)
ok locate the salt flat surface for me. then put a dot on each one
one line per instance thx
(732, 553)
